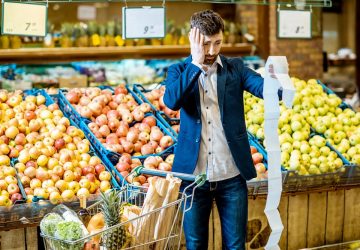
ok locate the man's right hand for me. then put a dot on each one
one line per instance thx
(197, 46)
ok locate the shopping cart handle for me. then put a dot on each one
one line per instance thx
(199, 179)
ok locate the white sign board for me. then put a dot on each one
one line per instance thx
(24, 19)
(86, 12)
(294, 24)
(143, 22)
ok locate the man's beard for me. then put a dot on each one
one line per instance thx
(209, 60)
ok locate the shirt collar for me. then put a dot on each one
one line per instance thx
(218, 60)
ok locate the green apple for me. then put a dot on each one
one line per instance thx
(354, 139)
(338, 127)
(258, 118)
(286, 128)
(297, 108)
(319, 127)
(351, 152)
(318, 141)
(342, 149)
(305, 148)
(310, 120)
(318, 101)
(250, 101)
(294, 165)
(329, 133)
(260, 133)
(314, 112)
(286, 147)
(296, 144)
(252, 128)
(298, 136)
(315, 161)
(285, 157)
(314, 154)
(306, 158)
(325, 150)
(323, 111)
(324, 167)
(356, 159)
(338, 163)
(285, 137)
(296, 125)
(313, 170)
(338, 111)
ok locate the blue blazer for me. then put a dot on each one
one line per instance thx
(182, 92)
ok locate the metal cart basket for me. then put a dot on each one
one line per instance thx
(148, 223)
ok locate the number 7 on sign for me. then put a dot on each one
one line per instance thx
(27, 26)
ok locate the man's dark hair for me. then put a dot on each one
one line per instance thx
(208, 22)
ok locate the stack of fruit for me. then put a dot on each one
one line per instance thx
(156, 98)
(53, 158)
(119, 122)
(10, 191)
(258, 160)
(312, 107)
(340, 126)
(126, 164)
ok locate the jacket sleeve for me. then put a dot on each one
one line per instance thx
(179, 83)
(254, 82)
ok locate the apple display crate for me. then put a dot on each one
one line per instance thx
(171, 235)
(113, 156)
(68, 109)
(294, 182)
(164, 118)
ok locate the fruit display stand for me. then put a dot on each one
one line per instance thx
(18, 222)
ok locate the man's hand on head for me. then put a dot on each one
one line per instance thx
(197, 46)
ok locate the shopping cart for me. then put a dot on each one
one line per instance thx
(171, 231)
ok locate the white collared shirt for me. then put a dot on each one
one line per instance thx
(215, 158)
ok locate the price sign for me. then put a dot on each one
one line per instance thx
(294, 24)
(24, 19)
(144, 22)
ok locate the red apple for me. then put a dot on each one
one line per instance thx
(147, 149)
(99, 168)
(166, 141)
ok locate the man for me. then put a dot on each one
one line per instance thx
(208, 88)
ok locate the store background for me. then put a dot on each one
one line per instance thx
(323, 217)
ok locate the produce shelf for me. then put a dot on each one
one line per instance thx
(48, 55)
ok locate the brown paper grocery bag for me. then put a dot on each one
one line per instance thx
(155, 196)
(165, 221)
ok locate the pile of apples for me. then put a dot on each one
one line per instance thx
(119, 122)
(155, 97)
(9, 189)
(312, 107)
(258, 159)
(126, 164)
(53, 158)
(341, 127)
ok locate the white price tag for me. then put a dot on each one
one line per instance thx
(86, 12)
(294, 24)
(24, 19)
(143, 22)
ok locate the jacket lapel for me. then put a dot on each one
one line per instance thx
(221, 84)
(188, 61)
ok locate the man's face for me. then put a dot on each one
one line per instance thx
(212, 46)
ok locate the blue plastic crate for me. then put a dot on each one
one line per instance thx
(42, 92)
(164, 118)
(114, 157)
(139, 90)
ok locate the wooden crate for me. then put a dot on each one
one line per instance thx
(310, 220)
